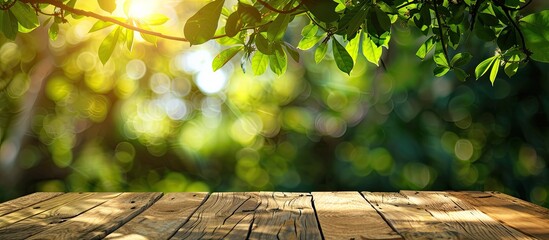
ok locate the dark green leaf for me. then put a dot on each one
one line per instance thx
(483, 67)
(224, 56)
(278, 27)
(343, 60)
(324, 10)
(320, 51)
(263, 45)
(292, 51)
(484, 33)
(233, 25)
(9, 24)
(378, 21)
(107, 46)
(357, 19)
(202, 25)
(25, 15)
(460, 74)
(259, 63)
(248, 14)
(278, 61)
(535, 28)
(507, 38)
(488, 19)
(107, 5)
(460, 59)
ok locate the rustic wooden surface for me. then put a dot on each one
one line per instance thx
(273, 215)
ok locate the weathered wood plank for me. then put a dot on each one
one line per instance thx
(466, 221)
(47, 219)
(25, 201)
(347, 215)
(163, 219)
(40, 207)
(285, 216)
(222, 216)
(101, 220)
(523, 216)
(410, 221)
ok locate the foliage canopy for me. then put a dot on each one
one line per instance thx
(349, 29)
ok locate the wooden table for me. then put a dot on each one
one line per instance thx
(271, 215)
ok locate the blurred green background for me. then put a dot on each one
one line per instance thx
(158, 119)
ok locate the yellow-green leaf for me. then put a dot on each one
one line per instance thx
(107, 5)
(483, 67)
(495, 69)
(155, 19)
(278, 61)
(259, 63)
(224, 56)
(320, 52)
(107, 46)
(371, 51)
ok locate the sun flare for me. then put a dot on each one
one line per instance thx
(140, 8)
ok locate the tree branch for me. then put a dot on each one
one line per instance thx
(268, 6)
(76, 11)
(439, 22)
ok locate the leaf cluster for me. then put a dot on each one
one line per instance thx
(256, 30)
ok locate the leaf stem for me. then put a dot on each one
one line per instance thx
(439, 22)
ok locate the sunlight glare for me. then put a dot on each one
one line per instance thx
(141, 8)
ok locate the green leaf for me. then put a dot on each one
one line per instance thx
(343, 60)
(248, 14)
(320, 51)
(357, 19)
(53, 31)
(535, 28)
(371, 51)
(507, 38)
(440, 58)
(107, 5)
(292, 51)
(129, 38)
(461, 59)
(233, 25)
(263, 45)
(278, 27)
(25, 15)
(309, 30)
(378, 21)
(460, 74)
(259, 63)
(100, 25)
(495, 69)
(483, 67)
(107, 46)
(440, 71)
(202, 25)
(155, 19)
(278, 61)
(307, 43)
(426, 47)
(353, 48)
(9, 24)
(511, 68)
(224, 56)
(324, 10)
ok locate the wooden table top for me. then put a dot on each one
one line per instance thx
(273, 215)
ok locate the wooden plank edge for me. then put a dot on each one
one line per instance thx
(27, 201)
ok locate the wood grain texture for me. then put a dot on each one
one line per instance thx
(162, 219)
(285, 216)
(347, 215)
(223, 216)
(523, 216)
(101, 220)
(47, 219)
(40, 207)
(466, 221)
(25, 201)
(410, 221)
